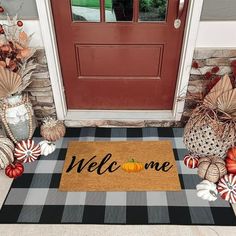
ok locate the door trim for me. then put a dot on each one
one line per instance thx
(63, 113)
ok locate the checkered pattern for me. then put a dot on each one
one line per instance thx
(34, 197)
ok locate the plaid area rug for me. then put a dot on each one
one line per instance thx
(34, 197)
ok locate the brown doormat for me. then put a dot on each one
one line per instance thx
(120, 166)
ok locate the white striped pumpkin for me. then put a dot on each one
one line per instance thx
(6, 152)
(27, 151)
(191, 161)
(227, 188)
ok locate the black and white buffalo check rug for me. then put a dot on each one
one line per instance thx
(34, 197)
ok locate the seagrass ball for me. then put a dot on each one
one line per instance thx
(211, 168)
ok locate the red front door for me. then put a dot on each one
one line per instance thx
(119, 54)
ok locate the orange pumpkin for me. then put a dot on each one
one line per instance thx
(231, 160)
(132, 166)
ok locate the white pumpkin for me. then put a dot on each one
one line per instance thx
(6, 152)
(47, 147)
(207, 190)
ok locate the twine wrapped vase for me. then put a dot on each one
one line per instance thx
(206, 136)
(18, 118)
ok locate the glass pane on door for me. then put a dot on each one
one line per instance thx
(153, 10)
(86, 10)
(118, 10)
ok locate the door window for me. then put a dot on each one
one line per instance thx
(119, 10)
(86, 10)
(152, 10)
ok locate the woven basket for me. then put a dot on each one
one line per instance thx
(206, 136)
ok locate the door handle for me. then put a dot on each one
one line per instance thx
(180, 11)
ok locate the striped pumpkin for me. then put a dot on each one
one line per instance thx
(227, 188)
(27, 151)
(14, 170)
(191, 161)
(211, 168)
(6, 152)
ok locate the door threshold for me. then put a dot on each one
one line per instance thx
(121, 118)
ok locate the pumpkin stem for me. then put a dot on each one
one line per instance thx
(13, 165)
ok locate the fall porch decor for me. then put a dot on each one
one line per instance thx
(27, 151)
(207, 190)
(14, 170)
(227, 188)
(6, 152)
(211, 168)
(18, 117)
(14, 44)
(52, 129)
(211, 132)
(191, 161)
(47, 147)
(211, 129)
(16, 67)
(231, 160)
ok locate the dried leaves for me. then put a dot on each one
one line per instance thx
(9, 82)
(14, 45)
(16, 62)
(222, 97)
(227, 102)
(26, 72)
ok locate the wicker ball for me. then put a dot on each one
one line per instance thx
(211, 168)
(52, 129)
(202, 137)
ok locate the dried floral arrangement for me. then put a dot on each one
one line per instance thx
(217, 101)
(209, 80)
(16, 57)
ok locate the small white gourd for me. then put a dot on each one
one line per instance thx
(47, 147)
(207, 190)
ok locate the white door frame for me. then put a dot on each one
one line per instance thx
(50, 44)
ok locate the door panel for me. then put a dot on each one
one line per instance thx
(127, 64)
(111, 61)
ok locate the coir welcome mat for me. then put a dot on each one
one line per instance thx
(120, 166)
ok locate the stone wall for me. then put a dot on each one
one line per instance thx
(206, 59)
(40, 90)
